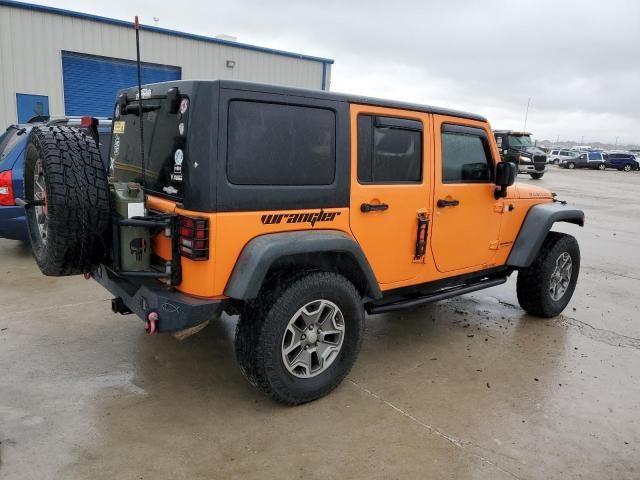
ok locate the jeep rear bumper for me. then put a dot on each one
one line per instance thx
(176, 311)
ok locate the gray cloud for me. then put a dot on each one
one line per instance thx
(577, 60)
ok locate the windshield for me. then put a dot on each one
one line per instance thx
(520, 141)
(164, 141)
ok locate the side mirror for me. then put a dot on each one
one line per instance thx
(505, 177)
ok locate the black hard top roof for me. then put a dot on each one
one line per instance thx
(320, 94)
(344, 97)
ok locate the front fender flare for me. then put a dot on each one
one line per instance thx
(535, 228)
(262, 252)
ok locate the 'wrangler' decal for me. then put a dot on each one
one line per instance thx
(312, 218)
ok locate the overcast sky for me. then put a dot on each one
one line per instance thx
(579, 61)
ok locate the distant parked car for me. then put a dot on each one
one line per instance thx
(585, 160)
(556, 156)
(12, 149)
(622, 161)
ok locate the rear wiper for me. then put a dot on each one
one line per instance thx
(20, 130)
(134, 108)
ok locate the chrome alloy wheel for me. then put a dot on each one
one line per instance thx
(40, 194)
(561, 276)
(313, 338)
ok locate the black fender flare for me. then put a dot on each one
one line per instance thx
(537, 224)
(262, 252)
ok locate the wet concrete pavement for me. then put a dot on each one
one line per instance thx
(466, 388)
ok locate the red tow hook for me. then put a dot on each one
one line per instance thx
(152, 323)
(87, 275)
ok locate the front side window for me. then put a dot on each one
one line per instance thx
(277, 144)
(466, 156)
(389, 150)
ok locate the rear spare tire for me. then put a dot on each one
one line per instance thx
(65, 176)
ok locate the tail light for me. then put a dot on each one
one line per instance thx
(6, 189)
(194, 238)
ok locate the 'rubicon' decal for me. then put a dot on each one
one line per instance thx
(312, 218)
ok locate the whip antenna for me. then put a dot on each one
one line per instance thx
(136, 26)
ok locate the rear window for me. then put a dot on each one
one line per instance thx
(275, 144)
(8, 140)
(164, 142)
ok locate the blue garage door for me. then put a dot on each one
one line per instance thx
(91, 83)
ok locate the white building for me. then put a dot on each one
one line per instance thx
(60, 62)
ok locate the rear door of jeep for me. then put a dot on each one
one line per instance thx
(390, 185)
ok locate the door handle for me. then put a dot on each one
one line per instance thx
(373, 207)
(448, 203)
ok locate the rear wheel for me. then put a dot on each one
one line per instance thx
(65, 177)
(601, 166)
(297, 344)
(628, 167)
(545, 288)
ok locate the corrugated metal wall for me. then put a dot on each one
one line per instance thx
(31, 43)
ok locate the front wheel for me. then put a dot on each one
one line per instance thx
(571, 165)
(298, 343)
(536, 176)
(545, 288)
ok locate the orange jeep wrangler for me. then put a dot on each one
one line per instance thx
(297, 210)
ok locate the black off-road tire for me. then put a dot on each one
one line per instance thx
(533, 283)
(77, 200)
(536, 176)
(260, 329)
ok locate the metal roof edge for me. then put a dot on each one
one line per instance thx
(165, 31)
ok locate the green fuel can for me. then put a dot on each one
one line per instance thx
(135, 243)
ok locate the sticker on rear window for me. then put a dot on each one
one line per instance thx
(118, 127)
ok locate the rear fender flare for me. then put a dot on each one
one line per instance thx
(535, 228)
(262, 252)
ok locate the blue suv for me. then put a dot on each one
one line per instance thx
(13, 142)
(622, 161)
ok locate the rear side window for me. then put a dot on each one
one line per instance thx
(275, 144)
(595, 156)
(389, 150)
(466, 156)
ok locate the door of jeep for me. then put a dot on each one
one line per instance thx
(390, 181)
(466, 224)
